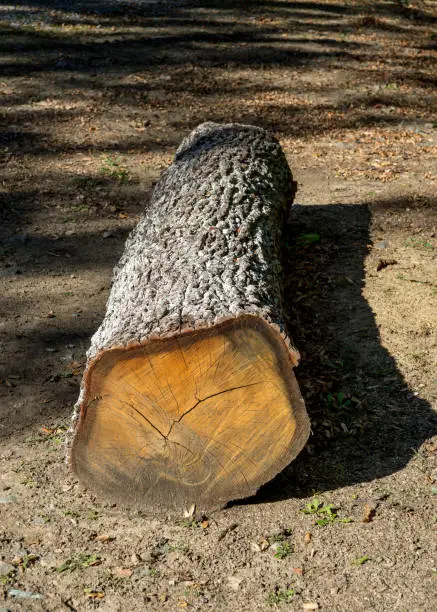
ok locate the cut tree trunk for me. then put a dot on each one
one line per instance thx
(189, 395)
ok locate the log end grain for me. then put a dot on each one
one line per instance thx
(200, 418)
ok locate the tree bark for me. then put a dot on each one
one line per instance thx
(189, 394)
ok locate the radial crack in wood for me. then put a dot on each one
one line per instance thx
(246, 409)
(199, 401)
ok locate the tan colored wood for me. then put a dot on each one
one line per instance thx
(201, 418)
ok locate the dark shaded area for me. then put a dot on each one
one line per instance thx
(37, 383)
(211, 34)
(354, 439)
(36, 379)
(366, 422)
(196, 46)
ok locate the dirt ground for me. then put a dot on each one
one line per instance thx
(95, 97)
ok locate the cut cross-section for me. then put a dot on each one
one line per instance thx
(203, 417)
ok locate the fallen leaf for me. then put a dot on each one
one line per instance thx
(46, 431)
(25, 561)
(360, 560)
(94, 594)
(264, 544)
(92, 561)
(369, 513)
(190, 512)
(104, 537)
(123, 572)
(75, 365)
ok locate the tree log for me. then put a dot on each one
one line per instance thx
(189, 395)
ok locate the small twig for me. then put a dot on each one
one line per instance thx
(414, 280)
(226, 530)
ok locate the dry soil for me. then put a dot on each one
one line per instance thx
(95, 97)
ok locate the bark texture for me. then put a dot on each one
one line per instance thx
(207, 248)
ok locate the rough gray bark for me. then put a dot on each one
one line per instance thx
(208, 246)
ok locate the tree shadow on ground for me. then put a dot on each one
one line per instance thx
(330, 321)
(36, 380)
(256, 35)
(366, 422)
(167, 63)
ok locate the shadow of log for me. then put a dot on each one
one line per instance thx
(366, 422)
